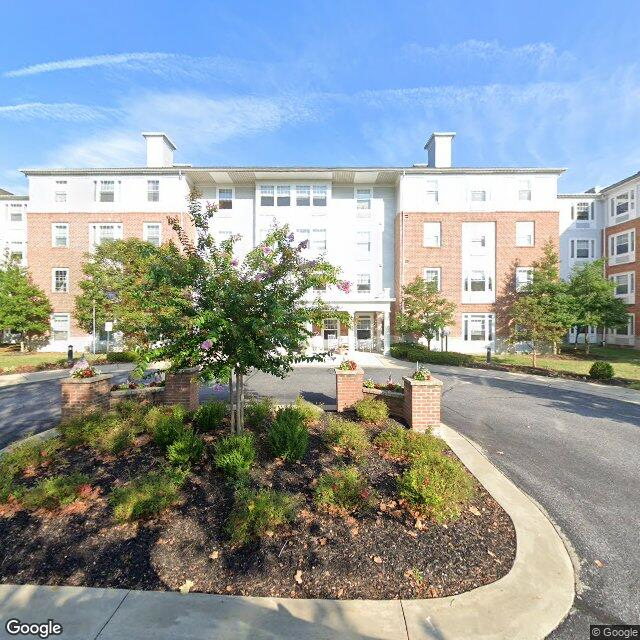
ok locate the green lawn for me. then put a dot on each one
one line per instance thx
(11, 359)
(625, 361)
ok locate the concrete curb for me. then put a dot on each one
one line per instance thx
(13, 379)
(527, 604)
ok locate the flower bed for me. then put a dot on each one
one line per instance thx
(140, 499)
(393, 399)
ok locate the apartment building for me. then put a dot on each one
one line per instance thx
(475, 232)
(13, 226)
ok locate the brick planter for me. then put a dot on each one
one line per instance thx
(145, 395)
(422, 403)
(348, 387)
(182, 387)
(84, 395)
(393, 399)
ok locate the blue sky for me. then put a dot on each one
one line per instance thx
(322, 83)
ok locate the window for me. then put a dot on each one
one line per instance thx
(60, 194)
(363, 203)
(583, 211)
(224, 234)
(100, 233)
(320, 195)
(152, 232)
(60, 280)
(477, 326)
(330, 329)
(364, 283)
(622, 243)
(431, 234)
(363, 244)
(319, 239)
(432, 274)
(266, 196)
(478, 196)
(524, 277)
(284, 195)
(15, 213)
(625, 283)
(107, 191)
(582, 249)
(225, 198)
(60, 235)
(153, 190)
(525, 234)
(432, 191)
(478, 280)
(303, 235)
(16, 250)
(524, 190)
(623, 203)
(303, 195)
(60, 326)
(363, 328)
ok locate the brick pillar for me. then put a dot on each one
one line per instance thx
(348, 387)
(182, 387)
(84, 395)
(422, 403)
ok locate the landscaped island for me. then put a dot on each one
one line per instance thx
(302, 504)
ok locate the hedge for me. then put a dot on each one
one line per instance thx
(121, 356)
(414, 352)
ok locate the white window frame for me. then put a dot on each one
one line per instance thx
(620, 199)
(319, 239)
(438, 276)
(54, 235)
(153, 190)
(431, 192)
(16, 209)
(363, 283)
(524, 238)
(145, 232)
(118, 230)
(469, 279)
(101, 191)
(524, 190)
(573, 249)
(630, 278)
(267, 192)
(60, 193)
(432, 234)
(54, 272)
(631, 327)
(613, 243)
(489, 320)
(524, 276)
(319, 195)
(301, 235)
(363, 245)
(303, 195)
(56, 317)
(582, 207)
(283, 193)
(363, 199)
(478, 196)
(225, 204)
(16, 250)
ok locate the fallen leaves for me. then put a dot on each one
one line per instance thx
(475, 510)
(298, 576)
(377, 559)
(186, 587)
(214, 555)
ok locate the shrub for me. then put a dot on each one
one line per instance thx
(344, 490)
(350, 437)
(369, 383)
(121, 356)
(372, 410)
(258, 413)
(601, 371)
(117, 436)
(235, 454)
(409, 445)
(147, 495)
(348, 365)
(28, 454)
(209, 416)
(311, 413)
(422, 374)
(52, 493)
(186, 450)
(414, 352)
(288, 435)
(436, 486)
(81, 430)
(166, 424)
(256, 512)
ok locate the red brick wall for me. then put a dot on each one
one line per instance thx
(422, 400)
(79, 397)
(348, 388)
(182, 387)
(412, 258)
(42, 257)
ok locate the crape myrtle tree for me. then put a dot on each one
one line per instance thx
(544, 309)
(243, 315)
(425, 312)
(595, 300)
(24, 307)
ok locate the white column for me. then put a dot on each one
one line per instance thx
(352, 334)
(387, 332)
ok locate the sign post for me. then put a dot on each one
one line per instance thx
(108, 327)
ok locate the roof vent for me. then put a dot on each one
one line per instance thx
(439, 149)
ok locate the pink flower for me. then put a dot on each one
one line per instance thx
(266, 250)
(206, 345)
(234, 262)
(344, 286)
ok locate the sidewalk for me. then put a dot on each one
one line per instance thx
(55, 374)
(527, 604)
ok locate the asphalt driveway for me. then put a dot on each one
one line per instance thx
(574, 447)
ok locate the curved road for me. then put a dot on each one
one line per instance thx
(572, 446)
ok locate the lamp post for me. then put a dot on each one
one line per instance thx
(94, 326)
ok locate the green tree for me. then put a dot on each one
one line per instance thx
(544, 310)
(118, 280)
(595, 300)
(24, 307)
(425, 312)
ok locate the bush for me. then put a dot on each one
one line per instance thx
(52, 493)
(311, 413)
(372, 410)
(117, 436)
(344, 490)
(256, 512)
(409, 445)
(601, 371)
(166, 424)
(81, 430)
(258, 413)
(209, 416)
(288, 435)
(28, 454)
(436, 486)
(235, 454)
(7, 488)
(414, 352)
(147, 495)
(186, 450)
(121, 356)
(422, 374)
(350, 437)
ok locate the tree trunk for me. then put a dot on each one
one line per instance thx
(428, 344)
(586, 340)
(21, 346)
(239, 403)
(231, 409)
(534, 356)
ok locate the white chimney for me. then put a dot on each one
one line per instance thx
(159, 149)
(439, 148)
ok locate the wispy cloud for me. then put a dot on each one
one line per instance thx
(67, 111)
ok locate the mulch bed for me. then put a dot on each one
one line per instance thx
(378, 555)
